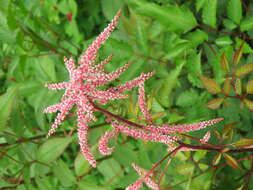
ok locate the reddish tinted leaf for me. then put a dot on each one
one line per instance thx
(210, 85)
(231, 161)
(226, 86)
(215, 103)
(228, 127)
(243, 143)
(248, 103)
(225, 150)
(244, 70)
(216, 159)
(157, 115)
(249, 87)
(238, 86)
(217, 134)
(237, 55)
(224, 63)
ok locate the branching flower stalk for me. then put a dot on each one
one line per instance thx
(82, 90)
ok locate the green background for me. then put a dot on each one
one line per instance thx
(177, 39)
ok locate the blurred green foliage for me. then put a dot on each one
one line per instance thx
(180, 40)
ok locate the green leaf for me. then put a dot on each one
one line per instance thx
(141, 36)
(53, 148)
(64, 174)
(39, 103)
(234, 11)
(200, 4)
(197, 37)
(238, 86)
(110, 168)
(223, 41)
(6, 35)
(174, 118)
(66, 6)
(17, 122)
(249, 88)
(194, 69)
(47, 67)
(110, 7)
(177, 50)
(185, 169)
(168, 84)
(28, 87)
(26, 174)
(229, 24)
(215, 103)
(187, 98)
(72, 7)
(175, 18)
(11, 18)
(7, 101)
(125, 149)
(81, 165)
(119, 46)
(209, 13)
(71, 28)
(198, 155)
(247, 23)
(43, 183)
(85, 185)
(210, 85)
(244, 70)
(4, 6)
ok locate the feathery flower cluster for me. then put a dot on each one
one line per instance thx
(82, 90)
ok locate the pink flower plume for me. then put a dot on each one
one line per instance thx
(82, 89)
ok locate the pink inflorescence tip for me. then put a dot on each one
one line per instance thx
(144, 177)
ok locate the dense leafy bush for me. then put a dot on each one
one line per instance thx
(201, 54)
